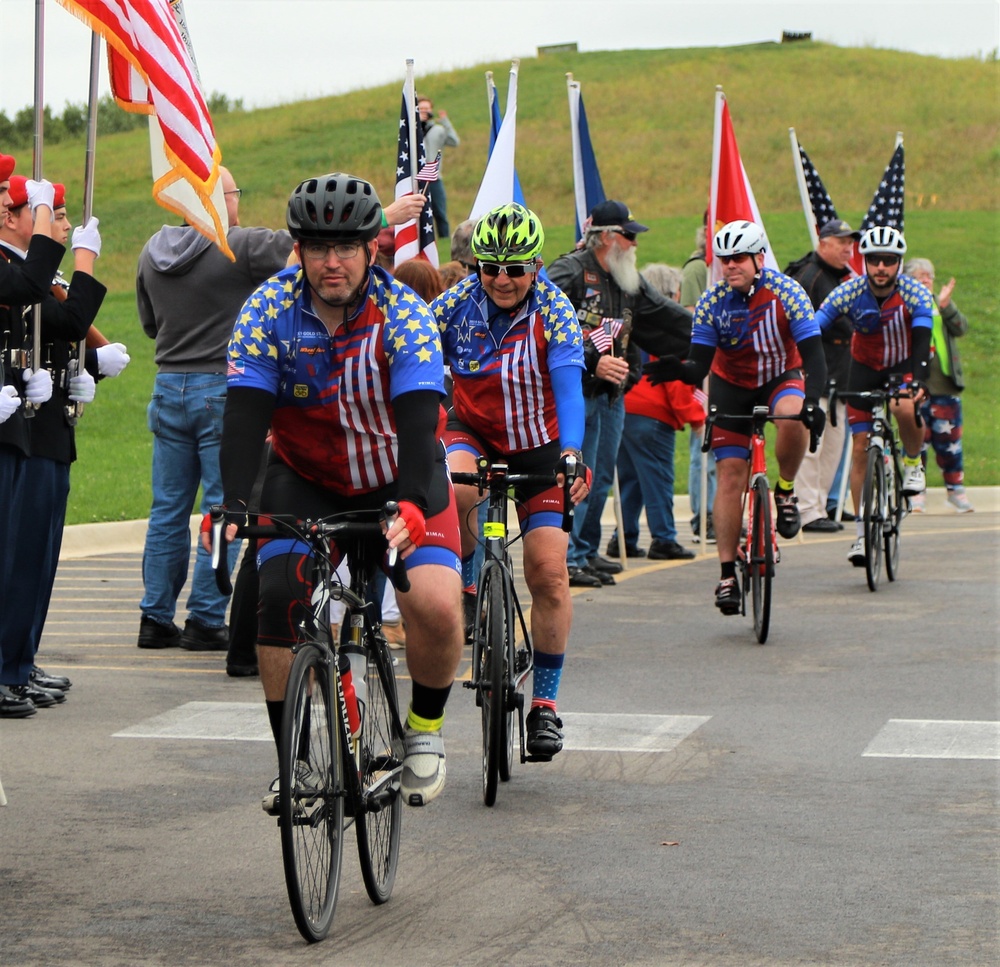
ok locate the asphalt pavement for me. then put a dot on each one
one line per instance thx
(830, 797)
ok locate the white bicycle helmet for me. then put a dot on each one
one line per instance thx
(739, 238)
(882, 240)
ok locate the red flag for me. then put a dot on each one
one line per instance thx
(731, 197)
(152, 73)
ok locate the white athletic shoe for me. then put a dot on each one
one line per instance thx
(959, 501)
(917, 504)
(423, 767)
(913, 480)
(856, 555)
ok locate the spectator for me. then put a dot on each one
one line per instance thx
(942, 411)
(422, 277)
(438, 135)
(452, 273)
(461, 246)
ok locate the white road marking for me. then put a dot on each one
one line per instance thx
(598, 732)
(930, 739)
(220, 721)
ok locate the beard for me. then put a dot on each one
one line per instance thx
(622, 268)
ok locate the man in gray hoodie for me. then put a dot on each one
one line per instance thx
(189, 295)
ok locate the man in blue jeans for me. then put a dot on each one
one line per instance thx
(189, 295)
(619, 312)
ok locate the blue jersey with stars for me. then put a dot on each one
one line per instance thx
(755, 335)
(882, 332)
(502, 364)
(333, 422)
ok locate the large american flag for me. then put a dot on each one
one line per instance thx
(603, 335)
(819, 198)
(415, 238)
(887, 205)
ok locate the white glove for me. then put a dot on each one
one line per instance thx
(37, 386)
(112, 359)
(9, 401)
(82, 388)
(87, 236)
(40, 193)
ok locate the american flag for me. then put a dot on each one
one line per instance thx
(415, 238)
(887, 205)
(819, 198)
(603, 335)
(432, 171)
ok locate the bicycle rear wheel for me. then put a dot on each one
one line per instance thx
(311, 794)
(873, 511)
(761, 559)
(894, 513)
(492, 684)
(380, 761)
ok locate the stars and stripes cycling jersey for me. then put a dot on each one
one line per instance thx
(332, 421)
(755, 335)
(502, 364)
(883, 334)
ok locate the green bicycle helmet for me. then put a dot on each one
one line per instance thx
(336, 207)
(508, 233)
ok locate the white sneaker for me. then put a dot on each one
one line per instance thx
(917, 504)
(423, 767)
(856, 555)
(913, 480)
(959, 501)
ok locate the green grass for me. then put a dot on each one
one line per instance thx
(651, 120)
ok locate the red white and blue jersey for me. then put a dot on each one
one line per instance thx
(882, 334)
(332, 421)
(502, 364)
(755, 335)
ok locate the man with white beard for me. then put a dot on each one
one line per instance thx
(620, 313)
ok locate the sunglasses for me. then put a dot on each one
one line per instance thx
(513, 270)
(726, 259)
(628, 236)
(886, 260)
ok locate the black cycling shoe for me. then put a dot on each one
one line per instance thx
(786, 507)
(727, 596)
(545, 736)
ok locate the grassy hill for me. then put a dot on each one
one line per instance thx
(650, 114)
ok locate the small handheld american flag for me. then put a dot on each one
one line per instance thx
(603, 335)
(430, 171)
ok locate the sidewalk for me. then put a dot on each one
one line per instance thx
(89, 540)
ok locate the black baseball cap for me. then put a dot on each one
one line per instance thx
(614, 214)
(838, 228)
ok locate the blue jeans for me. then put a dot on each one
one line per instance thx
(646, 476)
(603, 434)
(185, 417)
(694, 474)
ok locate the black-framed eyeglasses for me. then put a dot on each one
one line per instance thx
(880, 258)
(320, 251)
(238, 192)
(513, 270)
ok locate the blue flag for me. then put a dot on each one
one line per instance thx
(587, 186)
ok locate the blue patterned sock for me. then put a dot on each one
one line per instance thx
(469, 574)
(545, 683)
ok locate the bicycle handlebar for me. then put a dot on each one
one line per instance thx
(312, 532)
(894, 389)
(760, 416)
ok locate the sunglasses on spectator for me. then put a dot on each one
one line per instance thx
(878, 259)
(628, 236)
(513, 270)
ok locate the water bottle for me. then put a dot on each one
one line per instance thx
(350, 696)
(355, 655)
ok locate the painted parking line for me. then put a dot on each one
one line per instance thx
(932, 739)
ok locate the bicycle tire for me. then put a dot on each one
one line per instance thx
(491, 680)
(380, 753)
(761, 565)
(506, 762)
(873, 515)
(311, 799)
(893, 519)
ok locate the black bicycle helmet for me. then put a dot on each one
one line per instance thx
(336, 207)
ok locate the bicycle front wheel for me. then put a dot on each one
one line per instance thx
(873, 511)
(491, 678)
(311, 794)
(894, 514)
(761, 559)
(380, 760)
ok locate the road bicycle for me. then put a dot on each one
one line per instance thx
(884, 506)
(502, 659)
(758, 554)
(340, 754)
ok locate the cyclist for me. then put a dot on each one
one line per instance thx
(755, 331)
(344, 365)
(891, 315)
(515, 350)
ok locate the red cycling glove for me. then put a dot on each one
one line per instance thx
(413, 517)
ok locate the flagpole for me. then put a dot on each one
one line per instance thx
(411, 106)
(800, 177)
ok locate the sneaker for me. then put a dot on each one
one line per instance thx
(395, 634)
(856, 555)
(631, 550)
(696, 530)
(787, 519)
(152, 634)
(727, 596)
(423, 766)
(959, 501)
(305, 781)
(914, 481)
(197, 637)
(669, 551)
(545, 736)
(42, 679)
(917, 505)
(14, 707)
